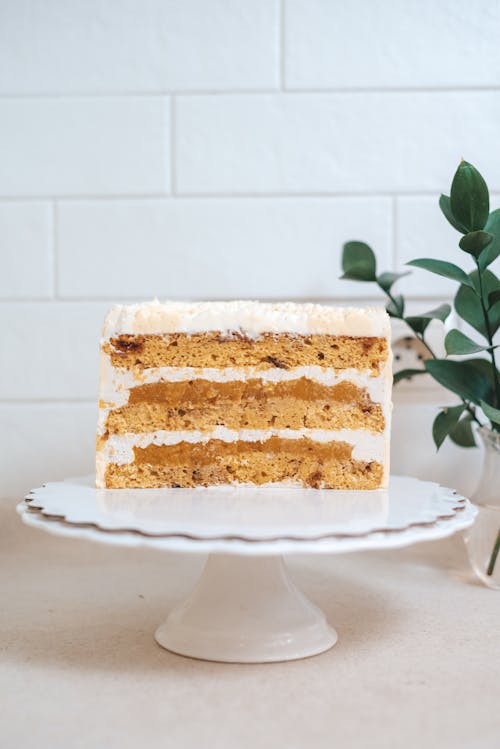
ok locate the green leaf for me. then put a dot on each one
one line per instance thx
(406, 374)
(459, 344)
(396, 308)
(443, 268)
(419, 323)
(462, 433)
(493, 414)
(494, 318)
(468, 303)
(444, 204)
(484, 368)
(492, 251)
(468, 307)
(469, 197)
(475, 242)
(358, 262)
(490, 284)
(386, 280)
(444, 421)
(461, 378)
(493, 297)
(439, 313)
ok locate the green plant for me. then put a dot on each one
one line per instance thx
(474, 379)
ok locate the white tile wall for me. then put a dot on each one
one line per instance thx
(335, 143)
(91, 146)
(222, 149)
(413, 214)
(391, 44)
(43, 442)
(421, 231)
(51, 350)
(26, 249)
(136, 46)
(243, 247)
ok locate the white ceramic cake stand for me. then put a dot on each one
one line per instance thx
(244, 607)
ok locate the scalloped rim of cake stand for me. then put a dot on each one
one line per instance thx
(286, 518)
(178, 543)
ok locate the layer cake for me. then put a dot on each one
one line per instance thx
(200, 394)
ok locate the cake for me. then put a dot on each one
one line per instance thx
(208, 393)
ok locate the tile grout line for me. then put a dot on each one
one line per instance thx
(173, 135)
(127, 299)
(47, 401)
(51, 252)
(281, 45)
(55, 252)
(255, 92)
(394, 247)
(304, 195)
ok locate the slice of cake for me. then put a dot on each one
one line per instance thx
(199, 394)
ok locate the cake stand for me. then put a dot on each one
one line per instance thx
(244, 607)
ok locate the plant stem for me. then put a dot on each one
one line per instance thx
(422, 339)
(494, 555)
(417, 335)
(496, 548)
(388, 293)
(470, 409)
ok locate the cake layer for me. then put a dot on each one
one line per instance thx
(252, 404)
(276, 460)
(283, 351)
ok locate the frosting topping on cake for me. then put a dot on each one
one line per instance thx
(247, 317)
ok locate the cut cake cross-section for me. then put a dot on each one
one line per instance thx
(200, 394)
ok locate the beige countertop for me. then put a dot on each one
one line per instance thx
(417, 663)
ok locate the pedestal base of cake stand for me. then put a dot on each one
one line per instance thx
(245, 609)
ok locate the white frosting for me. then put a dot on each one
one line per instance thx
(367, 446)
(249, 318)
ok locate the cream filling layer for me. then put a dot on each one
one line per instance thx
(115, 384)
(126, 379)
(367, 446)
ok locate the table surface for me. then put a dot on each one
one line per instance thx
(417, 662)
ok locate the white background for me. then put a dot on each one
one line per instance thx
(220, 149)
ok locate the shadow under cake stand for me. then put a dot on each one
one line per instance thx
(245, 608)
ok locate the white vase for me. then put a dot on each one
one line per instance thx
(483, 538)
